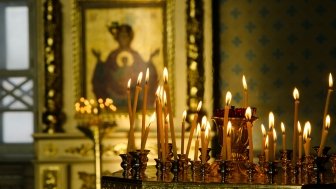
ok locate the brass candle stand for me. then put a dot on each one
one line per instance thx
(95, 119)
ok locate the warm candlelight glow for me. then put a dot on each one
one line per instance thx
(330, 81)
(274, 135)
(147, 75)
(266, 143)
(152, 118)
(165, 75)
(263, 130)
(228, 98)
(139, 78)
(199, 106)
(283, 130)
(299, 128)
(244, 83)
(271, 120)
(296, 94)
(248, 113)
(198, 130)
(228, 132)
(129, 84)
(203, 123)
(327, 125)
(184, 115)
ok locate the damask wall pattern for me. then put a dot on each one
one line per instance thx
(279, 45)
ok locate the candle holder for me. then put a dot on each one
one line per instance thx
(125, 164)
(207, 158)
(239, 137)
(308, 168)
(285, 160)
(143, 160)
(158, 166)
(195, 168)
(333, 165)
(223, 170)
(170, 153)
(250, 169)
(136, 165)
(183, 163)
(271, 170)
(319, 163)
(175, 169)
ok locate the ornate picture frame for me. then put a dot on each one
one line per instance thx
(98, 57)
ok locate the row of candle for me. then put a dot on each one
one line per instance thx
(164, 120)
(270, 143)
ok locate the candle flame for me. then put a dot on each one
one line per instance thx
(207, 132)
(283, 130)
(147, 75)
(327, 126)
(271, 120)
(208, 127)
(330, 81)
(184, 115)
(129, 84)
(139, 78)
(244, 83)
(167, 118)
(229, 129)
(158, 90)
(228, 98)
(274, 135)
(165, 75)
(199, 106)
(198, 130)
(307, 129)
(299, 129)
(204, 120)
(263, 130)
(266, 142)
(152, 119)
(248, 113)
(296, 94)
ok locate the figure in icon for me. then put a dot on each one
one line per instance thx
(110, 77)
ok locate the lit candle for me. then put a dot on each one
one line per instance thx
(304, 138)
(263, 130)
(160, 141)
(203, 150)
(275, 143)
(198, 131)
(183, 130)
(129, 103)
(248, 115)
(225, 123)
(193, 126)
(146, 132)
(308, 137)
(326, 107)
(296, 111)
(229, 154)
(270, 135)
(245, 92)
(300, 139)
(283, 131)
(207, 134)
(171, 121)
(266, 149)
(324, 135)
(166, 134)
(144, 105)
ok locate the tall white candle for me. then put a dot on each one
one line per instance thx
(263, 131)
(324, 135)
(283, 131)
(225, 123)
(192, 129)
(248, 116)
(326, 107)
(295, 135)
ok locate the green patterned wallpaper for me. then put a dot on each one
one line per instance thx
(279, 45)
